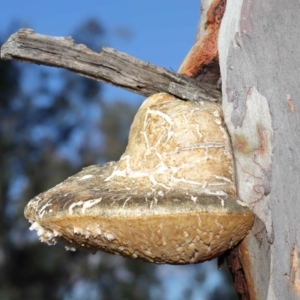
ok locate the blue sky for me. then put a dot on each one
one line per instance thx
(162, 33)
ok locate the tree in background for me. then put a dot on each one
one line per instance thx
(52, 123)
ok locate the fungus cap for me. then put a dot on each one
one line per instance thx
(171, 197)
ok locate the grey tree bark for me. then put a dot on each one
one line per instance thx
(260, 65)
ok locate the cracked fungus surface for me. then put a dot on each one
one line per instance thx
(173, 143)
(169, 199)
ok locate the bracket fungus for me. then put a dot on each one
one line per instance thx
(171, 198)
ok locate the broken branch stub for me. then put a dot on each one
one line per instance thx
(110, 66)
(171, 197)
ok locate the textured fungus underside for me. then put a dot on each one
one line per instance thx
(169, 199)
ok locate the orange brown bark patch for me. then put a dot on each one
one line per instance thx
(204, 53)
(241, 144)
(295, 273)
(263, 139)
(245, 264)
(237, 272)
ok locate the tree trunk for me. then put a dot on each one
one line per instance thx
(259, 60)
(260, 66)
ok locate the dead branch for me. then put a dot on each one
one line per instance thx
(108, 66)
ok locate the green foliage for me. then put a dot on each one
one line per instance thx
(52, 123)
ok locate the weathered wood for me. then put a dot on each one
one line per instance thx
(260, 67)
(108, 66)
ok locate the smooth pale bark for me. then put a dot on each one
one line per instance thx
(260, 66)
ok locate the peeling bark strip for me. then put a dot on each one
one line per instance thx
(202, 60)
(237, 273)
(109, 66)
(294, 272)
